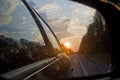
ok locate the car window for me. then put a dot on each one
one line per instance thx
(51, 37)
(21, 42)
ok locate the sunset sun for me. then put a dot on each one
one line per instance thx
(67, 44)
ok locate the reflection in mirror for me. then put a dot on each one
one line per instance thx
(85, 30)
(81, 27)
(52, 40)
(20, 40)
(22, 47)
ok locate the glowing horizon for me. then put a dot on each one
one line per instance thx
(67, 44)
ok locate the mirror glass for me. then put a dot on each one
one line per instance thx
(82, 32)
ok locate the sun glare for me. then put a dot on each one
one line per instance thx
(67, 44)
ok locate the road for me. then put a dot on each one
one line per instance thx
(80, 66)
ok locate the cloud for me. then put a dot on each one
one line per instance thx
(67, 27)
(23, 22)
(21, 32)
(89, 12)
(63, 21)
(23, 18)
(51, 7)
(14, 32)
(59, 26)
(7, 7)
(5, 19)
(76, 11)
(76, 27)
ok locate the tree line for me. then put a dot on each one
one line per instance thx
(97, 38)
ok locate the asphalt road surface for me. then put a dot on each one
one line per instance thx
(80, 66)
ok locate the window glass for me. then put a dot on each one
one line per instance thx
(21, 42)
(83, 33)
(50, 36)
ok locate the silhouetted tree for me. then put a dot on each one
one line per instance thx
(97, 38)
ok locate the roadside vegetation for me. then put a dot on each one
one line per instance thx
(96, 43)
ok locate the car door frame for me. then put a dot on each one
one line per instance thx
(34, 14)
